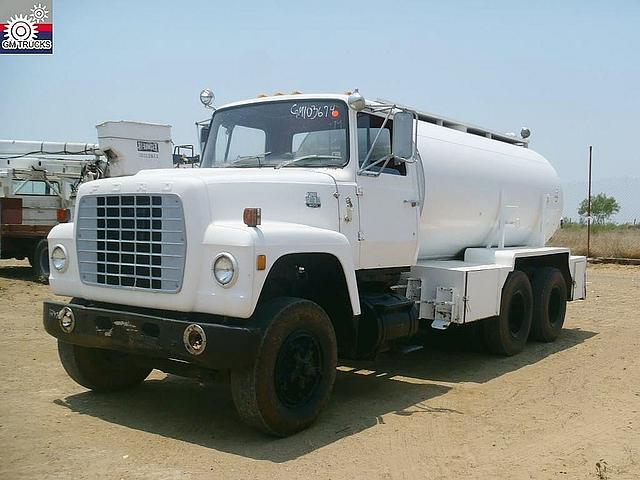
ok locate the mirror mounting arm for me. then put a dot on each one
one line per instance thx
(365, 168)
(370, 152)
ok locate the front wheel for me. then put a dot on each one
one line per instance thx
(100, 370)
(291, 380)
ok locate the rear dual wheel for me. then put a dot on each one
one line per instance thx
(507, 333)
(533, 309)
(549, 304)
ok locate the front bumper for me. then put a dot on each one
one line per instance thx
(155, 334)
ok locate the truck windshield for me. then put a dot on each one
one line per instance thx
(304, 133)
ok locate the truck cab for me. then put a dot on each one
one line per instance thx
(325, 145)
(297, 242)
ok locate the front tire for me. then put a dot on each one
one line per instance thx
(291, 380)
(100, 370)
(549, 304)
(507, 333)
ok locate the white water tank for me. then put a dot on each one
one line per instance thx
(134, 146)
(482, 192)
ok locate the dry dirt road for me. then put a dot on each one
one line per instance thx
(555, 411)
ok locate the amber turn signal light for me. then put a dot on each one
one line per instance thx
(252, 217)
(63, 215)
(261, 262)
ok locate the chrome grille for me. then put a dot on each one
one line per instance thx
(131, 241)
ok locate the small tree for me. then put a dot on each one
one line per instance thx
(602, 207)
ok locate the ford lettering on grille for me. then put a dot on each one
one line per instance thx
(135, 241)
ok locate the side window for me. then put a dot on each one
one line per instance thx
(34, 187)
(368, 128)
(240, 141)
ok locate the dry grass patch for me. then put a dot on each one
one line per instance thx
(606, 241)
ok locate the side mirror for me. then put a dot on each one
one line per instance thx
(402, 135)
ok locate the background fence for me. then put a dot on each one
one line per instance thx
(626, 190)
(619, 236)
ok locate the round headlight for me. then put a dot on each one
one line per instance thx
(59, 258)
(225, 269)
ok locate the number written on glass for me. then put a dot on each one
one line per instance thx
(311, 111)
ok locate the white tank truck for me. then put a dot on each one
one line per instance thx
(318, 228)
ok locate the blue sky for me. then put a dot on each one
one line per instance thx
(570, 71)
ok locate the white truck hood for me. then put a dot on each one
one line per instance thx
(212, 202)
(284, 195)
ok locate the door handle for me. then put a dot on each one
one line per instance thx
(414, 203)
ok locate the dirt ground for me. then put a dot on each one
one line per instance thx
(564, 410)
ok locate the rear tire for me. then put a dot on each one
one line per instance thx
(549, 304)
(40, 261)
(507, 333)
(291, 380)
(101, 370)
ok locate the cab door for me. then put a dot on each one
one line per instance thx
(388, 200)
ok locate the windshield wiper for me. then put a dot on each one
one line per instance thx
(304, 157)
(248, 157)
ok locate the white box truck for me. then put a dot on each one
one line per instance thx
(318, 228)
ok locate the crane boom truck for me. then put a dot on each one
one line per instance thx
(317, 228)
(39, 181)
(37, 185)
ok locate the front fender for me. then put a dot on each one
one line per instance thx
(277, 239)
(201, 293)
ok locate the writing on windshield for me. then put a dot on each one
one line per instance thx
(305, 133)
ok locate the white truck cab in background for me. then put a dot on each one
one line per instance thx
(317, 227)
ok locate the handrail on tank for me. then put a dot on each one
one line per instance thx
(465, 127)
